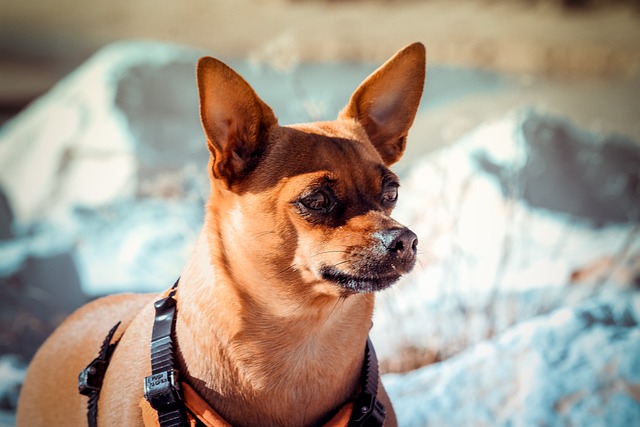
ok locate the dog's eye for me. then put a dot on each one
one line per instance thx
(317, 201)
(390, 193)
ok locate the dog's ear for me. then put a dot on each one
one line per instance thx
(235, 120)
(386, 103)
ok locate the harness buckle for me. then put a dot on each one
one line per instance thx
(368, 411)
(90, 378)
(162, 390)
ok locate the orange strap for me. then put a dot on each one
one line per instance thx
(341, 419)
(199, 409)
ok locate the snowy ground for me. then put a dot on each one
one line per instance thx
(102, 189)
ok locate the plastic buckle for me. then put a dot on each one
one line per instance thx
(368, 411)
(166, 303)
(162, 390)
(90, 378)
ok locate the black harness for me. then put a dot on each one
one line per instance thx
(90, 378)
(162, 388)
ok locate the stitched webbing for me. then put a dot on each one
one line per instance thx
(368, 411)
(91, 377)
(162, 387)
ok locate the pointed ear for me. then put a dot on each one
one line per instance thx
(386, 103)
(235, 120)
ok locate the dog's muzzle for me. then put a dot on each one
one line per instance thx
(377, 266)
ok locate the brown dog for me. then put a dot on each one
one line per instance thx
(275, 305)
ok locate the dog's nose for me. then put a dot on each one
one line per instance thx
(402, 251)
(405, 245)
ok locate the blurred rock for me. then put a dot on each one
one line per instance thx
(576, 366)
(476, 234)
(12, 372)
(6, 218)
(78, 145)
(85, 158)
(35, 299)
(487, 258)
(571, 171)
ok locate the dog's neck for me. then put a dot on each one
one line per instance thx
(277, 355)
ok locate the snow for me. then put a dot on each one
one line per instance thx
(576, 366)
(145, 248)
(478, 241)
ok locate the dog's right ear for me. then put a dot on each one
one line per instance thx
(235, 120)
(386, 103)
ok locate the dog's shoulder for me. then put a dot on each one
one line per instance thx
(55, 367)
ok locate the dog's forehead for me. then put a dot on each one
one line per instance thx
(300, 154)
(333, 146)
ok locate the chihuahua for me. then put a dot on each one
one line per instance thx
(274, 306)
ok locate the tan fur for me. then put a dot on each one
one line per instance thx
(264, 333)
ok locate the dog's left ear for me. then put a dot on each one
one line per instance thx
(235, 120)
(386, 103)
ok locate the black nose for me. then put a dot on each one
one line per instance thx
(405, 245)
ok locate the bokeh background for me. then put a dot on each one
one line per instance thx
(521, 178)
(577, 40)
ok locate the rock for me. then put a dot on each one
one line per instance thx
(491, 239)
(6, 218)
(572, 171)
(78, 146)
(577, 366)
(35, 299)
(103, 149)
(481, 246)
(12, 372)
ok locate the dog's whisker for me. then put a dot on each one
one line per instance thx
(339, 302)
(289, 268)
(329, 252)
(361, 300)
(340, 263)
(333, 309)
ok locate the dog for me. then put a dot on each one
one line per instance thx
(274, 306)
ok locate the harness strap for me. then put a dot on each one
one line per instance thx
(162, 388)
(91, 377)
(201, 414)
(368, 411)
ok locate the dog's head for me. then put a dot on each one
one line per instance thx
(309, 205)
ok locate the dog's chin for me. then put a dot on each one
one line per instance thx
(359, 283)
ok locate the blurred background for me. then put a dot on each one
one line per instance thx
(576, 40)
(521, 179)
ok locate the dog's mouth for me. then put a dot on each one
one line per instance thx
(359, 283)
